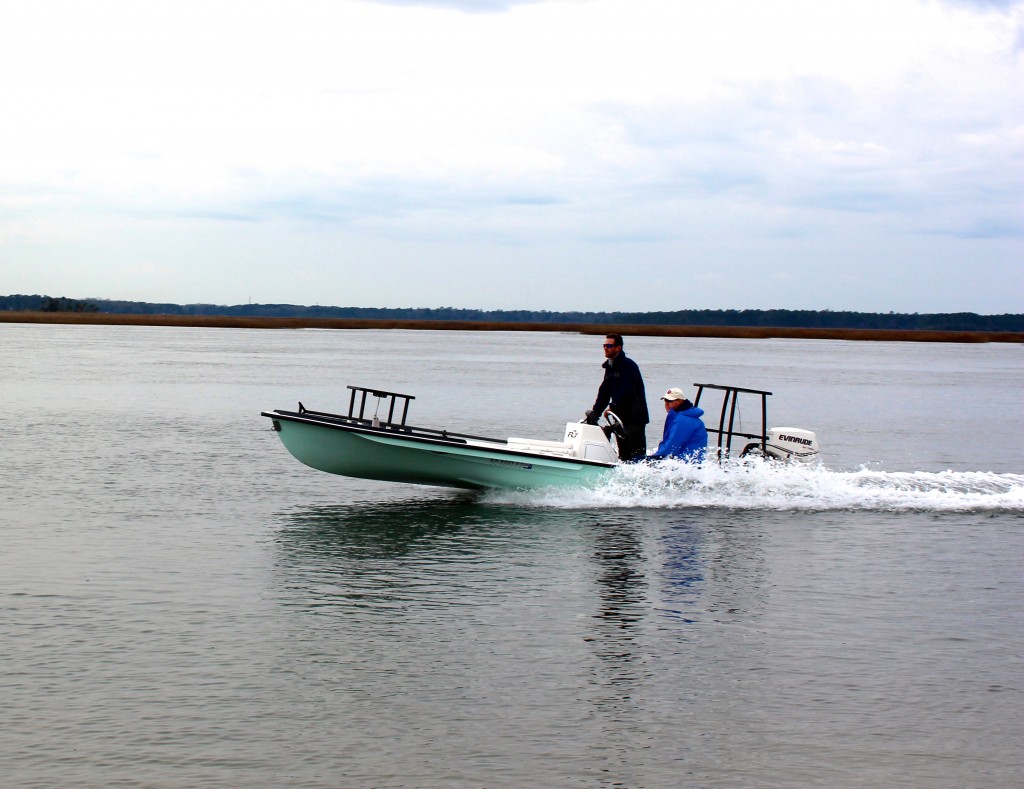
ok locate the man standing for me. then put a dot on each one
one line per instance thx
(685, 436)
(622, 393)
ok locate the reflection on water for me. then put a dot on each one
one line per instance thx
(737, 574)
(417, 554)
(681, 569)
(392, 529)
(629, 588)
(621, 616)
(621, 583)
(378, 530)
(697, 564)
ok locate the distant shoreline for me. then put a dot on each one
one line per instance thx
(635, 330)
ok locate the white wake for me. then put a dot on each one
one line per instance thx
(770, 486)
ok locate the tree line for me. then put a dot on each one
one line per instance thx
(799, 319)
(46, 304)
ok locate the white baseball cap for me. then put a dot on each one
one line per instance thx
(673, 394)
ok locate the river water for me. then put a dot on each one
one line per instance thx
(185, 605)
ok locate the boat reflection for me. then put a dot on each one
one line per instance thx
(656, 584)
(621, 587)
(681, 569)
(393, 529)
(736, 585)
(429, 553)
(375, 530)
(647, 570)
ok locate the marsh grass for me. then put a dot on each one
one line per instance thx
(736, 332)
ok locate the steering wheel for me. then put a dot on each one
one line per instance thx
(614, 426)
(614, 422)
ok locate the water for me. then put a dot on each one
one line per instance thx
(184, 605)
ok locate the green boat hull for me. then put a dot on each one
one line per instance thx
(378, 455)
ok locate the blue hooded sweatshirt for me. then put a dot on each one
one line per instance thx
(685, 436)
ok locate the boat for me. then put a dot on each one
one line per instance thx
(391, 450)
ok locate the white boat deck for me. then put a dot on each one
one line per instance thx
(541, 447)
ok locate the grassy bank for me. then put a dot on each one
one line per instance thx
(738, 332)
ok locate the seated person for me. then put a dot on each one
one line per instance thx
(685, 436)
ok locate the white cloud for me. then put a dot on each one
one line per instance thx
(640, 132)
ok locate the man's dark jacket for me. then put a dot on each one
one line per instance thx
(622, 390)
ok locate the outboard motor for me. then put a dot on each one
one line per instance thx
(786, 444)
(792, 443)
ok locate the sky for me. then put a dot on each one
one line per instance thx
(631, 155)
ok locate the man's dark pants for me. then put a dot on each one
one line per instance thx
(634, 445)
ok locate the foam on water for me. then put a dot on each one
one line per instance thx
(770, 486)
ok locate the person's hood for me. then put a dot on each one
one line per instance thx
(694, 412)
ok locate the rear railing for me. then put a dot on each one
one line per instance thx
(726, 430)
